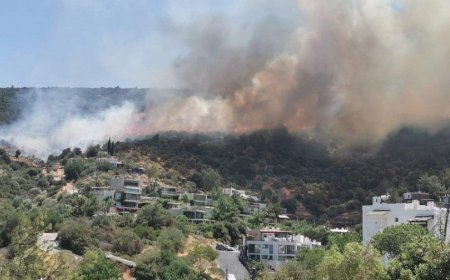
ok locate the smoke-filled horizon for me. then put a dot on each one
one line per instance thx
(353, 71)
(350, 71)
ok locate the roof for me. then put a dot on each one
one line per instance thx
(283, 216)
(275, 231)
(120, 260)
(48, 236)
(339, 230)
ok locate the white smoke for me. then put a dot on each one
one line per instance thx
(353, 71)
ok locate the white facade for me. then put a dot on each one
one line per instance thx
(200, 199)
(381, 215)
(274, 247)
(231, 191)
(114, 162)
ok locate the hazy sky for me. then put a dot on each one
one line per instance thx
(94, 42)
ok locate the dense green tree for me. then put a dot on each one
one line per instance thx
(437, 265)
(4, 157)
(432, 185)
(127, 242)
(82, 205)
(310, 258)
(225, 209)
(210, 179)
(9, 220)
(154, 215)
(76, 235)
(256, 220)
(73, 169)
(340, 240)
(417, 259)
(445, 178)
(26, 263)
(392, 239)
(92, 151)
(95, 266)
(355, 262)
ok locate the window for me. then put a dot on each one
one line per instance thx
(251, 248)
(282, 249)
(290, 249)
(257, 248)
(396, 219)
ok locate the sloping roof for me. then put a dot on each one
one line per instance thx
(120, 260)
(421, 218)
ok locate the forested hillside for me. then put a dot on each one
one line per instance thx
(311, 179)
(308, 178)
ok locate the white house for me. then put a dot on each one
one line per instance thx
(231, 191)
(273, 247)
(417, 208)
(114, 162)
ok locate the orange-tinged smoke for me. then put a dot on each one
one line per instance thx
(352, 71)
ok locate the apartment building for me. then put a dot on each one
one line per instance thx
(127, 193)
(416, 208)
(274, 247)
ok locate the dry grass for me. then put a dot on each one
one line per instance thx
(211, 268)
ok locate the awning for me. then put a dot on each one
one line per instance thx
(378, 212)
(420, 219)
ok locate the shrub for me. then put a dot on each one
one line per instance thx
(127, 242)
(76, 235)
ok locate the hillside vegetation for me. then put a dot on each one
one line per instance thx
(309, 179)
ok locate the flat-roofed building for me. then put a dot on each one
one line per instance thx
(274, 247)
(416, 208)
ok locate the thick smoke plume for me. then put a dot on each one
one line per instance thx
(351, 71)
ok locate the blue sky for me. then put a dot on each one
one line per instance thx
(93, 43)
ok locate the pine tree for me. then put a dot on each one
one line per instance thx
(109, 146)
(112, 148)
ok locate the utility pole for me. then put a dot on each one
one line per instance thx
(226, 273)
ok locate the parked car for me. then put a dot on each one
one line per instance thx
(224, 247)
